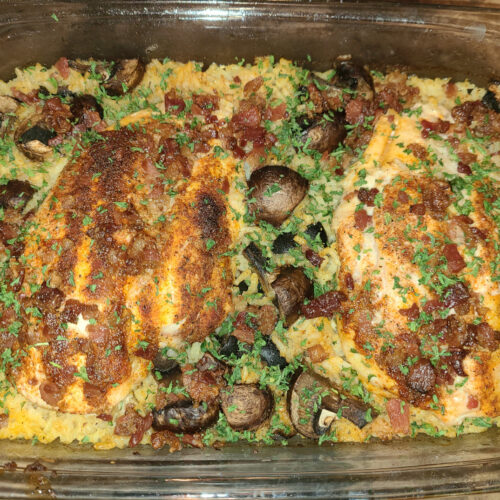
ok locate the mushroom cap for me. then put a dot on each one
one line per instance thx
(245, 406)
(277, 190)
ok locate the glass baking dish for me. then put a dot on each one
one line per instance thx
(458, 39)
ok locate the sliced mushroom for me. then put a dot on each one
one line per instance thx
(164, 364)
(284, 243)
(355, 77)
(125, 76)
(276, 191)
(83, 104)
(310, 393)
(291, 287)
(259, 263)
(491, 98)
(15, 194)
(323, 421)
(229, 345)
(245, 406)
(321, 134)
(32, 138)
(271, 355)
(185, 416)
(102, 68)
(313, 230)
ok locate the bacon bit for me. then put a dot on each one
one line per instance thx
(4, 420)
(192, 440)
(361, 220)
(339, 171)
(486, 337)
(417, 209)
(432, 305)
(278, 112)
(236, 79)
(412, 313)
(316, 353)
(63, 67)
(160, 439)
(204, 383)
(31, 98)
(57, 115)
(450, 89)
(242, 331)
(367, 196)
(403, 197)
(456, 294)
(253, 85)
(313, 257)
(325, 305)
(418, 151)
(399, 415)
(249, 116)
(464, 168)
(472, 402)
(133, 425)
(467, 157)
(137, 436)
(349, 281)
(355, 111)
(105, 416)
(463, 219)
(173, 103)
(455, 261)
(440, 127)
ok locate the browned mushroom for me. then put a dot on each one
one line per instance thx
(125, 76)
(291, 287)
(185, 416)
(15, 194)
(321, 134)
(82, 105)
(355, 77)
(310, 394)
(245, 406)
(259, 263)
(32, 138)
(164, 364)
(276, 191)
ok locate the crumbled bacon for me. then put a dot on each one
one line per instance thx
(472, 402)
(173, 103)
(367, 196)
(440, 127)
(349, 281)
(399, 415)
(417, 209)
(253, 85)
(361, 220)
(418, 151)
(464, 168)
(63, 67)
(324, 305)
(313, 257)
(453, 258)
(133, 425)
(30, 98)
(412, 313)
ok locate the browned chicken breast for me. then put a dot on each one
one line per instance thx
(420, 274)
(124, 255)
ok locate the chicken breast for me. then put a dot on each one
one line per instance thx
(420, 274)
(125, 254)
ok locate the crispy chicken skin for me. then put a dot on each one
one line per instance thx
(123, 256)
(420, 325)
